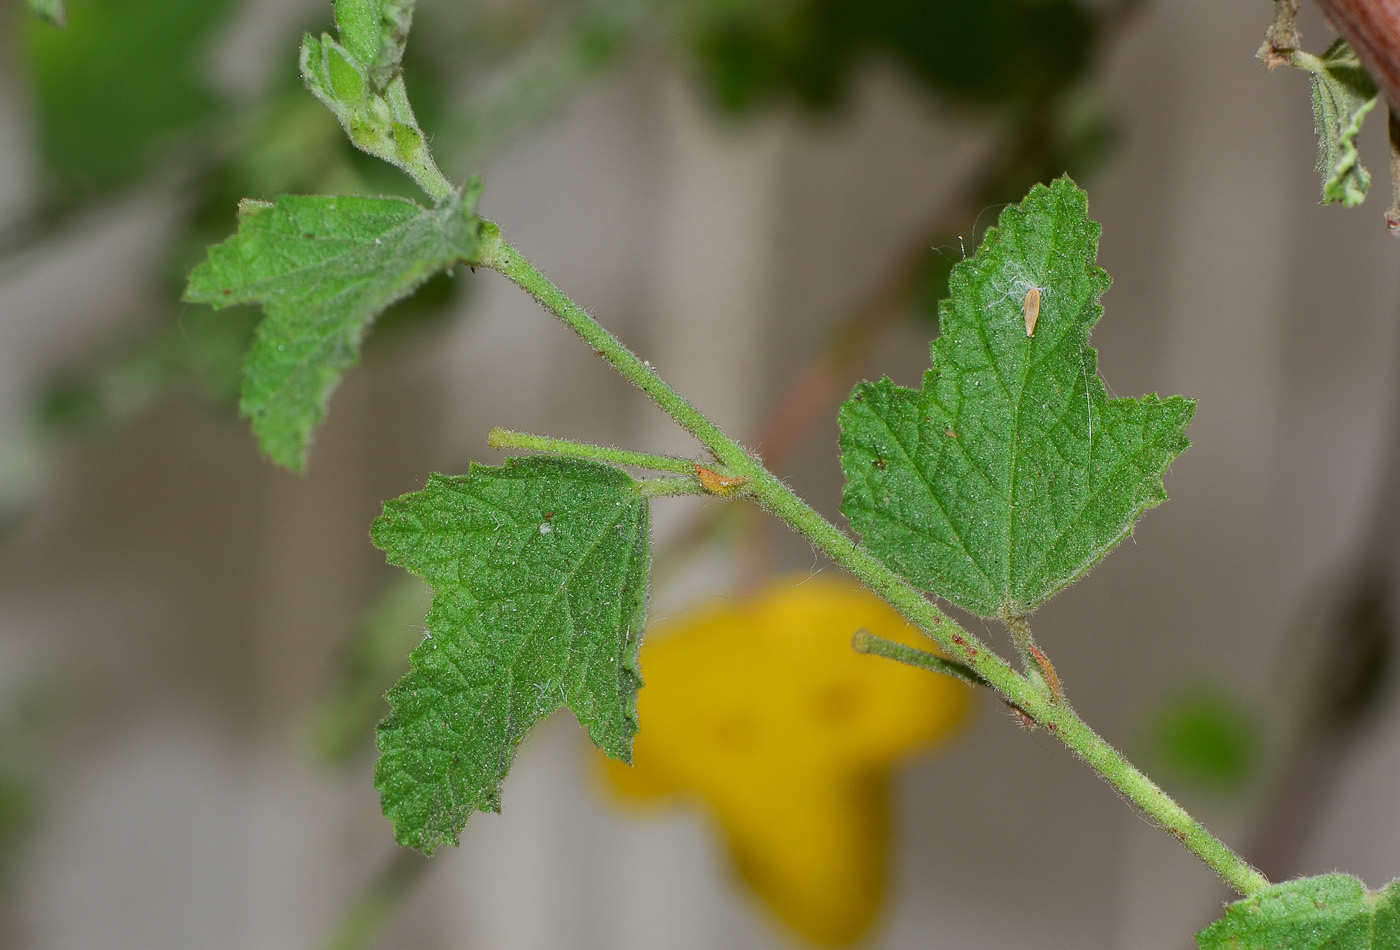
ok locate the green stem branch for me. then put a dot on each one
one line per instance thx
(1033, 659)
(769, 492)
(498, 255)
(510, 439)
(670, 487)
(866, 642)
(418, 162)
(429, 177)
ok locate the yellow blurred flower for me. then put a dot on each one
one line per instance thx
(760, 709)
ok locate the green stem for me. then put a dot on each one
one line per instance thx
(510, 439)
(1307, 62)
(767, 490)
(429, 177)
(866, 642)
(1033, 659)
(498, 255)
(1056, 717)
(670, 487)
(419, 164)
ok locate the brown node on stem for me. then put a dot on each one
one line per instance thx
(1282, 38)
(1047, 670)
(1023, 719)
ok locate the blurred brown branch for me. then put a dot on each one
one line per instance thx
(1372, 28)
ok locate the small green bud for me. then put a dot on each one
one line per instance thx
(346, 81)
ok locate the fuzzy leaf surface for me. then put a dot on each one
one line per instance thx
(1331, 912)
(1342, 94)
(323, 268)
(1010, 472)
(539, 569)
(375, 33)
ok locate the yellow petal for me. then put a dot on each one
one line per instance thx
(761, 710)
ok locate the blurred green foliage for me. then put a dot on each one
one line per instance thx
(1204, 733)
(201, 351)
(992, 54)
(116, 85)
(51, 10)
(19, 807)
(375, 656)
(34, 711)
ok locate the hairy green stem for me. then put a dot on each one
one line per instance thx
(1033, 659)
(429, 177)
(768, 491)
(426, 173)
(419, 163)
(498, 255)
(866, 642)
(510, 439)
(1307, 62)
(670, 487)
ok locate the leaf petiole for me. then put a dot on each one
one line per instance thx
(497, 254)
(670, 487)
(1035, 662)
(510, 439)
(419, 163)
(866, 642)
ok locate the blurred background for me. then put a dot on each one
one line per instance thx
(763, 198)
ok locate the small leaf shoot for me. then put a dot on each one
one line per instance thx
(359, 80)
(1343, 93)
(375, 32)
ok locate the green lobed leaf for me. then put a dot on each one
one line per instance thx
(540, 573)
(51, 10)
(1331, 912)
(324, 268)
(1011, 472)
(1342, 94)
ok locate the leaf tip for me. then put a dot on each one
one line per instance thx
(249, 208)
